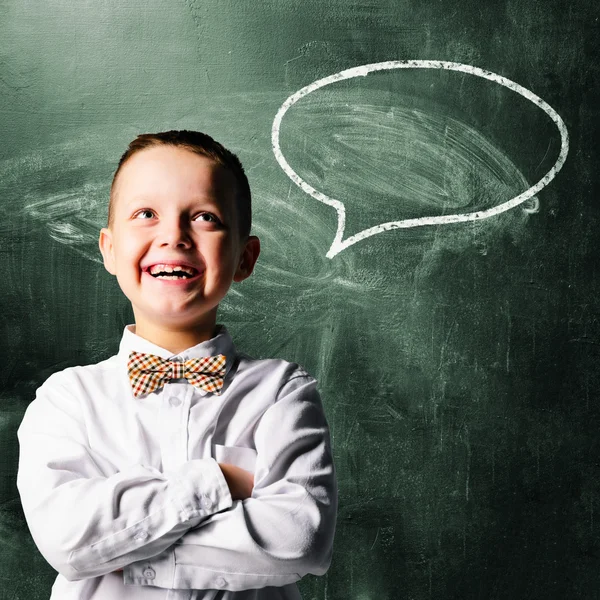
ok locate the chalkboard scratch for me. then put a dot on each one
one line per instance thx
(339, 244)
(446, 343)
(584, 340)
(393, 412)
(468, 465)
(349, 434)
(376, 536)
(545, 153)
(194, 7)
(509, 327)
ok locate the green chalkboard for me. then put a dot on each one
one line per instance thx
(457, 361)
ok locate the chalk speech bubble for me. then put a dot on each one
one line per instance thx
(339, 243)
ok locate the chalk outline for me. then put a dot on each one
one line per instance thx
(338, 243)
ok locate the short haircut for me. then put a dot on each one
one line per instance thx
(202, 144)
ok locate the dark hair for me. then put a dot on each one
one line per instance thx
(201, 144)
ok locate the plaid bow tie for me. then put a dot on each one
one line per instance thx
(148, 372)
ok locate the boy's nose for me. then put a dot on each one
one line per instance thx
(175, 233)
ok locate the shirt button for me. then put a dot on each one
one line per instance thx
(175, 401)
(140, 535)
(149, 573)
(206, 501)
(220, 582)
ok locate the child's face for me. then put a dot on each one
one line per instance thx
(175, 206)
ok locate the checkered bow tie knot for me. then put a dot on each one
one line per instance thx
(148, 372)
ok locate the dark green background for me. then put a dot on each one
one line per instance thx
(457, 363)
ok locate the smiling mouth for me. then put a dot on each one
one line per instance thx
(168, 272)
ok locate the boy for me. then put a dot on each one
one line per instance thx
(179, 468)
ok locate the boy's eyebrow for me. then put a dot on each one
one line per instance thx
(208, 199)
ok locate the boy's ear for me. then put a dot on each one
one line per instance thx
(248, 258)
(106, 248)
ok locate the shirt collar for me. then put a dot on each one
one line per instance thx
(220, 343)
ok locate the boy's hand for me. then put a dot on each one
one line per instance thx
(240, 484)
(239, 480)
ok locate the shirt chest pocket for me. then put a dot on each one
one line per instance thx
(244, 458)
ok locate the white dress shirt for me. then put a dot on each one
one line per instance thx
(110, 481)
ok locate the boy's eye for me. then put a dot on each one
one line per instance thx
(209, 217)
(145, 210)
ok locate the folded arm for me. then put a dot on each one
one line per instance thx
(285, 530)
(87, 522)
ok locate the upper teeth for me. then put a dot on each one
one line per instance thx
(170, 269)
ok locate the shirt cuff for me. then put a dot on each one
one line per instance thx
(158, 571)
(163, 571)
(201, 488)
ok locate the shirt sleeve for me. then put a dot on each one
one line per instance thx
(87, 522)
(285, 530)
